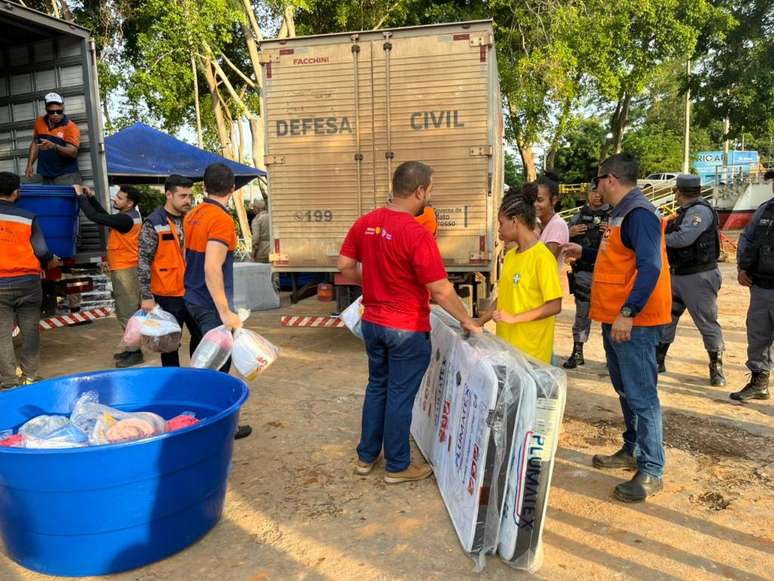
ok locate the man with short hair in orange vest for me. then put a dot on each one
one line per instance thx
(23, 252)
(122, 255)
(161, 270)
(631, 295)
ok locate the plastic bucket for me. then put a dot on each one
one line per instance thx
(105, 509)
(56, 207)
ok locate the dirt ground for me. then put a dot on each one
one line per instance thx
(294, 509)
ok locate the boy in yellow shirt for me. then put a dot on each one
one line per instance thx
(529, 294)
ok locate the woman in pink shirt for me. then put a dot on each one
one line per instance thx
(555, 231)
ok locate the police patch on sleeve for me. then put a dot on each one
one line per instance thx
(696, 220)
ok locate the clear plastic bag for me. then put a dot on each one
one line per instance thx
(214, 350)
(252, 354)
(106, 425)
(352, 317)
(52, 432)
(133, 331)
(160, 331)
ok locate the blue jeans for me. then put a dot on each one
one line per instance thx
(206, 319)
(634, 373)
(397, 361)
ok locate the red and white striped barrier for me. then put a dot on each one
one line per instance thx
(300, 321)
(71, 319)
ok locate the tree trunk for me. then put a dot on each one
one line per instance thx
(621, 122)
(253, 36)
(561, 127)
(525, 147)
(220, 120)
(257, 131)
(199, 136)
(288, 27)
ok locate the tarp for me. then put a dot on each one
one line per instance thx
(143, 155)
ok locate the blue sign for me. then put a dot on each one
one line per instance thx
(709, 164)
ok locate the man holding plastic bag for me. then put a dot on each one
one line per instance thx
(210, 242)
(401, 270)
(161, 269)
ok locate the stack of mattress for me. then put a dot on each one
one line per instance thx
(488, 419)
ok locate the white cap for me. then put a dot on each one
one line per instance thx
(53, 98)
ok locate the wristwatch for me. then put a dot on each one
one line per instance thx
(627, 312)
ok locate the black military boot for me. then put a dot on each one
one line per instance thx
(717, 379)
(661, 353)
(576, 358)
(757, 388)
(638, 488)
(621, 459)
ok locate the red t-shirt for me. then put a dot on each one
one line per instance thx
(399, 258)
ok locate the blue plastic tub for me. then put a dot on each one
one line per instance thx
(105, 509)
(57, 210)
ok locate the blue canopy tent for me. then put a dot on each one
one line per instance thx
(143, 155)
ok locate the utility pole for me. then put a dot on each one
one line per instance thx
(687, 130)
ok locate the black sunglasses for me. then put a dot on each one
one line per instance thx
(595, 180)
(55, 111)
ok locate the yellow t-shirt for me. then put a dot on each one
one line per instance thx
(528, 280)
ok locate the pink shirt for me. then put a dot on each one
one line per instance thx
(556, 231)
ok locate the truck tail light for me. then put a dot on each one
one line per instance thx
(482, 243)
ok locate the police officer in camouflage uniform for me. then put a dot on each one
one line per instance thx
(693, 247)
(586, 229)
(755, 260)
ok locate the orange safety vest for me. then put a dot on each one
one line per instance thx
(615, 273)
(168, 267)
(123, 250)
(429, 221)
(17, 257)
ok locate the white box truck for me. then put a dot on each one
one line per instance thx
(344, 110)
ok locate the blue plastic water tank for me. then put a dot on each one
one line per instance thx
(57, 210)
(105, 509)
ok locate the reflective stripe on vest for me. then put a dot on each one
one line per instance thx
(168, 267)
(615, 273)
(123, 250)
(17, 257)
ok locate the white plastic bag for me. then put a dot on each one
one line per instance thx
(160, 331)
(252, 353)
(52, 432)
(133, 331)
(214, 350)
(106, 425)
(353, 317)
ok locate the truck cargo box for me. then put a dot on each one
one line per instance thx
(344, 110)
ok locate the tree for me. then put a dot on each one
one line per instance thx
(577, 157)
(734, 78)
(641, 35)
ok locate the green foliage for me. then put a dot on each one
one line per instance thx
(513, 173)
(735, 77)
(578, 158)
(151, 199)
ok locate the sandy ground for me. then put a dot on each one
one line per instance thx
(295, 510)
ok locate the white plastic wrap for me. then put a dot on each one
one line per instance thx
(106, 425)
(252, 354)
(214, 349)
(352, 317)
(52, 432)
(478, 418)
(160, 331)
(133, 331)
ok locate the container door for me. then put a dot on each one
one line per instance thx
(319, 148)
(432, 104)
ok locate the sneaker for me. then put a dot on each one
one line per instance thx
(130, 359)
(411, 474)
(243, 432)
(364, 468)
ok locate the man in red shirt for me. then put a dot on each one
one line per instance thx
(401, 270)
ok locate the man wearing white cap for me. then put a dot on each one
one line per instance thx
(55, 143)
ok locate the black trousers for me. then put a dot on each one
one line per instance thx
(176, 307)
